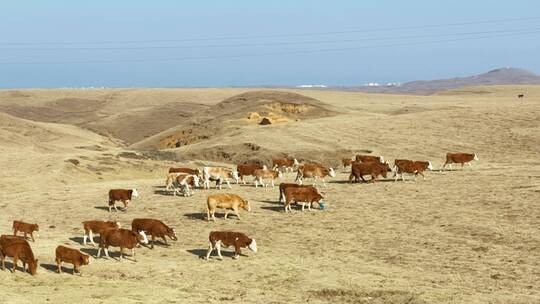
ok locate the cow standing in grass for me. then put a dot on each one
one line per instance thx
(225, 201)
(459, 158)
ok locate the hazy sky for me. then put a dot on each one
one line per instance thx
(131, 43)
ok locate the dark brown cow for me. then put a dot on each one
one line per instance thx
(18, 249)
(227, 239)
(247, 170)
(122, 238)
(459, 158)
(284, 186)
(286, 163)
(369, 158)
(402, 166)
(72, 256)
(122, 195)
(185, 170)
(96, 227)
(155, 228)
(307, 195)
(359, 169)
(25, 228)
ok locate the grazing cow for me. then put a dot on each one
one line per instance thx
(225, 201)
(369, 158)
(155, 228)
(122, 195)
(247, 170)
(97, 227)
(284, 186)
(185, 170)
(402, 166)
(18, 249)
(359, 169)
(459, 158)
(72, 256)
(521, 95)
(122, 238)
(181, 182)
(286, 163)
(25, 228)
(346, 162)
(218, 174)
(261, 174)
(304, 195)
(227, 239)
(315, 171)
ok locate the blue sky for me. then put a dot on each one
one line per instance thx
(28, 27)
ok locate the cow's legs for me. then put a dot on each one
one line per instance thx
(209, 251)
(125, 204)
(98, 252)
(323, 182)
(237, 213)
(3, 262)
(153, 241)
(303, 206)
(121, 253)
(14, 263)
(218, 247)
(133, 253)
(59, 264)
(272, 182)
(228, 184)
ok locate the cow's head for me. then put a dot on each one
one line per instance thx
(264, 167)
(172, 234)
(245, 205)
(318, 197)
(85, 259)
(141, 237)
(296, 163)
(134, 193)
(429, 166)
(475, 157)
(279, 174)
(331, 172)
(118, 225)
(253, 245)
(35, 227)
(32, 267)
(381, 159)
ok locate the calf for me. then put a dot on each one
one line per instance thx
(225, 201)
(369, 158)
(155, 228)
(459, 158)
(359, 169)
(218, 174)
(261, 174)
(18, 249)
(181, 182)
(122, 195)
(72, 256)
(227, 239)
(25, 228)
(247, 170)
(314, 171)
(286, 163)
(97, 227)
(402, 166)
(122, 238)
(304, 195)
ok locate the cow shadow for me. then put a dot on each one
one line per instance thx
(79, 239)
(9, 266)
(201, 253)
(196, 216)
(105, 208)
(272, 202)
(54, 268)
(164, 192)
(274, 208)
(92, 251)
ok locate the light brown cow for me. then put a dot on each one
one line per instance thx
(122, 195)
(181, 182)
(359, 169)
(247, 170)
(459, 158)
(225, 201)
(369, 158)
(262, 174)
(314, 171)
(285, 163)
(97, 227)
(25, 228)
(402, 166)
(155, 228)
(122, 238)
(72, 256)
(18, 249)
(304, 195)
(227, 239)
(219, 174)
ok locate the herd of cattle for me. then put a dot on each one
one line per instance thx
(185, 180)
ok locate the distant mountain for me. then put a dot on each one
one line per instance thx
(494, 77)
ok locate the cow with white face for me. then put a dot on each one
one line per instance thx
(314, 171)
(218, 174)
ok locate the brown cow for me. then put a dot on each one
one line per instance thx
(181, 182)
(369, 158)
(122, 238)
(72, 256)
(284, 186)
(25, 228)
(97, 227)
(261, 174)
(185, 170)
(247, 170)
(402, 166)
(314, 171)
(225, 201)
(307, 195)
(359, 169)
(155, 228)
(286, 163)
(346, 162)
(230, 238)
(18, 249)
(459, 158)
(122, 195)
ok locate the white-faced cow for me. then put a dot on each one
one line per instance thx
(182, 183)
(264, 174)
(227, 239)
(219, 175)
(225, 201)
(459, 158)
(122, 238)
(247, 170)
(122, 195)
(92, 228)
(154, 228)
(285, 163)
(314, 171)
(402, 166)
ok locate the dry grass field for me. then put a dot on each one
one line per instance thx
(466, 236)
